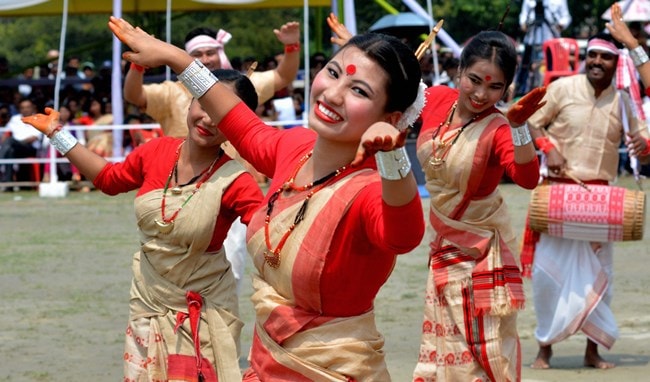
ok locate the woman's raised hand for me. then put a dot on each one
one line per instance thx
(380, 136)
(146, 50)
(288, 33)
(618, 29)
(519, 113)
(342, 33)
(45, 123)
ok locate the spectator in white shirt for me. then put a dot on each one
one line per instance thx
(20, 141)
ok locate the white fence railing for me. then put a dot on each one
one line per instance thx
(49, 157)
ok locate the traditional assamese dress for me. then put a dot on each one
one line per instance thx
(474, 287)
(167, 104)
(572, 283)
(314, 311)
(183, 309)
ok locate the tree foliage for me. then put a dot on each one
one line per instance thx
(26, 40)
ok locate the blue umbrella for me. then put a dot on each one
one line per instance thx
(403, 24)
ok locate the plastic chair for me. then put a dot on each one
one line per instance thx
(562, 58)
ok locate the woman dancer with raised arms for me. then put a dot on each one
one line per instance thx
(327, 235)
(474, 288)
(184, 319)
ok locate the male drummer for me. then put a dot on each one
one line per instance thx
(580, 130)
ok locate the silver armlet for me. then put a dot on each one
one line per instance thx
(197, 79)
(393, 165)
(639, 56)
(520, 135)
(63, 141)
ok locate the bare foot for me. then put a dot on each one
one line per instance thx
(543, 360)
(598, 362)
(593, 359)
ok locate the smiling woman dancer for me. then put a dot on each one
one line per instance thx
(465, 146)
(327, 236)
(183, 317)
(474, 288)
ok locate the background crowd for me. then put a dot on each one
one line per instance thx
(86, 90)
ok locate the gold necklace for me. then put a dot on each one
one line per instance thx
(166, 225)
(442, 146)
(271, 255)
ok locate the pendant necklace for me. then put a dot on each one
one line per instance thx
(271, 255)
(165, 225)
(441, 146)
(178, 188)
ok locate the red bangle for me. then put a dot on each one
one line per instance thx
(137, 68)
(544, 144)
(292, 48)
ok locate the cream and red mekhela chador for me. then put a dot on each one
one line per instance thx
(474, 288)
(314, 312)
(184, 309)
(572, 283)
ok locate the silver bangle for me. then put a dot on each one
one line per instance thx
(197, 79)
(63, 141)
(639, 56)
(393, 165)
(520, 135)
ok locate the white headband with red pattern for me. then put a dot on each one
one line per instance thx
(604, 45)
(205, 41)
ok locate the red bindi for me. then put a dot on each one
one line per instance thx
(488, 78)
(350, 69)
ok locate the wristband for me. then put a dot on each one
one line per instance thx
(639, 56)
(63, 141)
(197, 79)
(292, 48)
(393, 165)
(520, 136)
(137, 68)
(544, 144)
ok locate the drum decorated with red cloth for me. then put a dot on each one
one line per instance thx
(604, 213)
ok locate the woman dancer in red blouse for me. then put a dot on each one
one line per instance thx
(184, 318)
(341, 205)
(474, 288)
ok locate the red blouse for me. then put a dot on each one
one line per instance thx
(362, 253)
(502, 158)
(147, 168)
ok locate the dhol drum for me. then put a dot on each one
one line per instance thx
(604, 213)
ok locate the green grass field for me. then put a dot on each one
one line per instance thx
(65, 277)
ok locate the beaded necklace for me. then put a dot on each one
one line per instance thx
(167, 224)
(272, 256)
(441, 146)
(178, 188)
